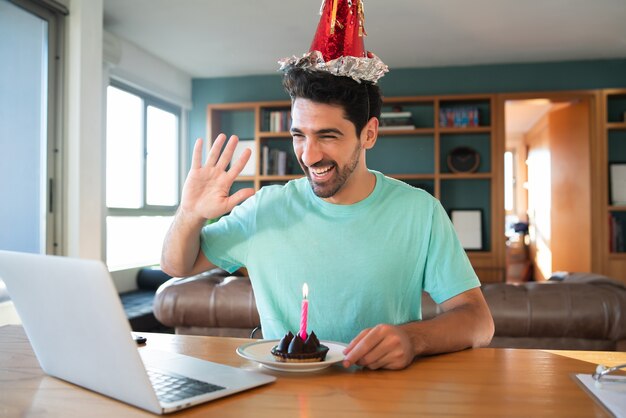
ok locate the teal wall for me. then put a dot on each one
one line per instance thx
(573, 75)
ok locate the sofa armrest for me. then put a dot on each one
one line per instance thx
(210, 299)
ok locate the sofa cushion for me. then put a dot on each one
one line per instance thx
(207, 300)
(558, 310)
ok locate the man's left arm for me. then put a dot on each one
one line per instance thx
(465, 322)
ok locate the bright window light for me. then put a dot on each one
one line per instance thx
(540, 191)
(509, 181)
(161, 157)
(124, 149)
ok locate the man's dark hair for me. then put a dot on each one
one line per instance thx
(360, 101)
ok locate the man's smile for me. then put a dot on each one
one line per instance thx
(322, 173)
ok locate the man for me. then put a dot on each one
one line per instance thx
(367, 245)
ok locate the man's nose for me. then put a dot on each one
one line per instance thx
(311, 153)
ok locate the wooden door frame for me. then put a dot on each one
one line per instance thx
(595, 163)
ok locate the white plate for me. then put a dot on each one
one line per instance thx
(260, 352)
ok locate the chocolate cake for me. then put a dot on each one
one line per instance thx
(292, 349)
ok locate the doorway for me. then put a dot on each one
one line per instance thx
(547, 138)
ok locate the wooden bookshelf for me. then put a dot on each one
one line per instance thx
(416, 156)
(613, 150)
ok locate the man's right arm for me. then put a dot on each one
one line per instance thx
(182, 255)
(205, 196)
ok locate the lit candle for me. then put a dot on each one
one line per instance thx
(305, 311)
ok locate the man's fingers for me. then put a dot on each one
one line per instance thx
(216, 149)
(384, 346)
(386, 360)
(364, 343)
(196, 160)
(237, 166)
(356, 340)
(227, 153)
(239, 196)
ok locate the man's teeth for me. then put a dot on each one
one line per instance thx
(321, 171)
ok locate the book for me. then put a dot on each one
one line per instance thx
(396, 120)
(388, 115)
(281, 165)
(277, 164)
(279, 120)
(265, 160)
(395, 127)
(617, 242)
(459, 117)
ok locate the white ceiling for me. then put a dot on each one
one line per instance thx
(211, 38)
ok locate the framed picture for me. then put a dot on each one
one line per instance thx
(468, 224)
(617, 181)
(250, 168)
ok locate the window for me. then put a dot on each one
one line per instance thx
(142, 175)
(31, 47)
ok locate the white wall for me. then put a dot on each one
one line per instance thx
(144, 71)
(83, 133)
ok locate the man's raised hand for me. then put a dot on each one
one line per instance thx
(207, 187)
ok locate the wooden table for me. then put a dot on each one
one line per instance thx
(480, 383)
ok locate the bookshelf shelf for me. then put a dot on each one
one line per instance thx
(265, 134)
(453, 176)
(616, 126)
(463, 130)
(413, 176)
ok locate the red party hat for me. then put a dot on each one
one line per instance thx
(340, 30)
(338, 45)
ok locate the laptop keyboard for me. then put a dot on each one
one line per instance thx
(172, 387)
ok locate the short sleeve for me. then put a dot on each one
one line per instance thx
(226, 242)
(448, 270)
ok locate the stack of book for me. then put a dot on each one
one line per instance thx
(459, 117)
(274, 162)
(279, 120)
(396, 121)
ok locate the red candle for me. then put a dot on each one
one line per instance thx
(305, 312)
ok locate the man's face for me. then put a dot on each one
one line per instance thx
(326, 145)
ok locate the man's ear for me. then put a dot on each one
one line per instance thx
(369, 134)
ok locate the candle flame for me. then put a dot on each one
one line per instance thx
(305, 290)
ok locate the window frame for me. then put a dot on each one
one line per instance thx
(146, 209)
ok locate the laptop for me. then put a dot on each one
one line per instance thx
(79, 332)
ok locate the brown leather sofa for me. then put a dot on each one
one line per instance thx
(581, 312)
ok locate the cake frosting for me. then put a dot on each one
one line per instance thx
(293, 349)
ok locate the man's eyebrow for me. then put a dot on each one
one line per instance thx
(319, 132)
(329, 131)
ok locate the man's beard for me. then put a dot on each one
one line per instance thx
(340, 177)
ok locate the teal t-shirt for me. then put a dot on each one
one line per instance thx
(365, 264)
